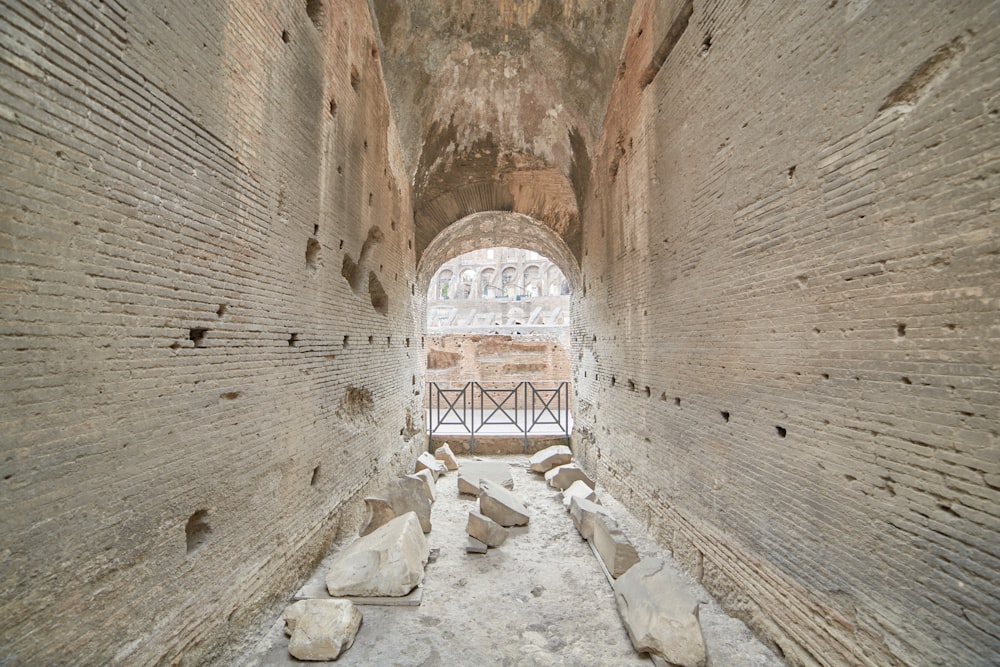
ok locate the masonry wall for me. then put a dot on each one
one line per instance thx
(542, 358)
(208, 342)
(788, 336)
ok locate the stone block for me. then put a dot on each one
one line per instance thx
(388, 562)
(501, 505)
(660, 614)
(472, 473)
(614, 548)
(562, 476)
(578, 489)
(474, 546)
(446, 456)
(428, 462)
(406, 494)
(583, 512)
(321, 629)
(550, 457)
(428, 478)
(485, 529)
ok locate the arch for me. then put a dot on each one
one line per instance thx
(496, 229)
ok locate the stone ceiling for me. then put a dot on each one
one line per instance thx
(499, 103)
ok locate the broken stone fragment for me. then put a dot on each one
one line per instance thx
(583, 512)
(428, 478)
(474, 546)
(660, 614)
(428, 462)
(550, 457)
(578, 489)
(485, 529)
(446, 456)
(321, 629)
(501, 505)
(562, 476)
(613, 547)
(471, 473)
(406, 494)
(388, 562)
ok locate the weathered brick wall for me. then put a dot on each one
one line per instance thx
(789, 333)
(499, 359)
(193, 392)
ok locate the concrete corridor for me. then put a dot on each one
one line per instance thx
(539, 600)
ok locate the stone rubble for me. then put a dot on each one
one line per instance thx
(578, 489)
(472, 473)
(428, 478)
(474, 546)
(550, 457)
(485, 529)
(562, 476)
(387, 562)
(501, 505)
(321, 629)
(614, 548)
(583, 512)
(446, 456)
(427, 461)
(660, 614)
(406, 494)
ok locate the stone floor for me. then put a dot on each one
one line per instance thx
(539, 599)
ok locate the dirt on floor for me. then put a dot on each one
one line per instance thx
(539, 599)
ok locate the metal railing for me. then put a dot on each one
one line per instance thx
(521, 409)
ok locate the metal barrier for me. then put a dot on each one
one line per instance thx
(521, 409)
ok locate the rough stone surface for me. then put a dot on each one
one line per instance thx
(474, 546)
(426, 461)
(561, 477)
(583, 512)
(402, 495)
(614, 548)
(485, 529)
(427, 477)
(472, 473)
(321, 629)
(388, 562)
(578, 489)
(446, 456)
(660, 614)
(550, 457)
(501, 505)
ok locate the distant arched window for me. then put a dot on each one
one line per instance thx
(532, 281)
(444, 284)
(486, 286)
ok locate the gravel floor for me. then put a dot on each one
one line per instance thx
(539, 599)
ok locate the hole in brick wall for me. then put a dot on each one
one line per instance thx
(706, 44)
(900, 330)
(380, 300)
(285, 37)
(850, 478)
(221, 310)
(392, 225)
(413, 289)
(950, 326)
(388, 341)
(413, 379)
(293, 340)
(371, 339)
(421, 342)
(315, 230)
(825, 376)
(409, 244)
(314, 10)
(949, 510)
(341, 244)
(725, 415)
(648, 392)
(407, 342)
(905, 380)
(197, 336)
(781, 431)
(230, 395)
(371, 198)
(355, 79)
(340, 169)
(631, 385)
(364, 144)
(312, 254)
(333, 107)
(677, 401)
(614, 380)
(374, 51)
(791, 173)
(315, 476)
(196, 530)
(816, 332)
(347, 339)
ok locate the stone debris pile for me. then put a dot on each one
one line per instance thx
(658, 611)
(499, 509)
(321, 629)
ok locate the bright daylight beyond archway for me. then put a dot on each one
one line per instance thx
(498, 365)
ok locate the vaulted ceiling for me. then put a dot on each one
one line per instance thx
(499, 103)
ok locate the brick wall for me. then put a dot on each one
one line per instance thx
(193, 392)
(499, 359)
(788, 329)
